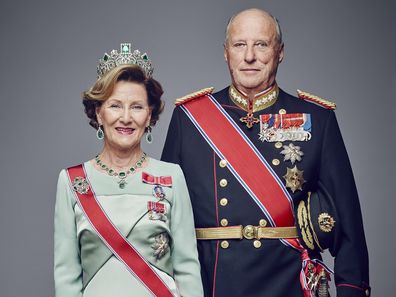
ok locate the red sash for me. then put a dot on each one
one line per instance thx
(111, 236)
(248, 166)
(243, 160)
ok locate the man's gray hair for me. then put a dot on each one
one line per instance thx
(277, 25)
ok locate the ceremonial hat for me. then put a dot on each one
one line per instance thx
(317, 221)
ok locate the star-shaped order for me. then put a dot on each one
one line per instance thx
(294, 178)
(161, 245)
(292, 152)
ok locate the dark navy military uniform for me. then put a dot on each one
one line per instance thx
(247, 268)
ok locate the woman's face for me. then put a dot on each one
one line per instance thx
(124, 116)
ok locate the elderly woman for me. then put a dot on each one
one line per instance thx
(123, 220)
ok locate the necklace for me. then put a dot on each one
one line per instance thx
(121, 174)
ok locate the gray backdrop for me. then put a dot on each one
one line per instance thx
(337, 49)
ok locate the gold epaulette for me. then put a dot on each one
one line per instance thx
(320, 101)
(194, 95)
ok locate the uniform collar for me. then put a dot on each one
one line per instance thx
(261, 100)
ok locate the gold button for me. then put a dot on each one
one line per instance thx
(223, 201)
(223, 183)
(278, 144)
(263, 223)
(224, 244)
(275, 162)
(282, 111)
(224, 222)
(367, 292)
(223, 163)
(257, 244)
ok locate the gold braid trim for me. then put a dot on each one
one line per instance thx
(309, 97)
(302, 217)
(310, 222)
(194, 95)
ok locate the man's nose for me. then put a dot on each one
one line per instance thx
(250, 54)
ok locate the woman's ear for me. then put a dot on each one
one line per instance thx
(148, 123)
(98, 117)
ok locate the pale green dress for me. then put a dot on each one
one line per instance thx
(84, 266)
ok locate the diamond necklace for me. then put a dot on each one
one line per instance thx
(121, 174)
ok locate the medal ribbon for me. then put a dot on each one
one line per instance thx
(283, 121)
(114, 240)
(156, 207)
(247, 165)
(165, 181)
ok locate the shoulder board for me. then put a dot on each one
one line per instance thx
(320, 101)
(194, 95)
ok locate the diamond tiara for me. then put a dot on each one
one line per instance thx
(125, 56)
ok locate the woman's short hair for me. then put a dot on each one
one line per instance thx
(103, 88)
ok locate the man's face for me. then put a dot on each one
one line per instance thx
(252, 51)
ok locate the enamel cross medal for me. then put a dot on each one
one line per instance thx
(249, 119)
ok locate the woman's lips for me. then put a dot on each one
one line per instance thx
(125, 131)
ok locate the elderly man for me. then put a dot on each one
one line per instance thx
(269, 178)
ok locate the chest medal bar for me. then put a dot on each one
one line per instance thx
(285, 127)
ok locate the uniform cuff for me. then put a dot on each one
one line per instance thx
(347, 290)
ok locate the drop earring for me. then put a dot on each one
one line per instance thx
(149, 136)
(99, 133)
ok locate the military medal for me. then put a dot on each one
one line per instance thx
(292, 153)
(249, 119)
(158, 192)
(285, 127)
(294, 179)
(156, 211)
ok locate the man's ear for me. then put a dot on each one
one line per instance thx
(281, 53)
(225, 52)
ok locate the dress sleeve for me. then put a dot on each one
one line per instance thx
(172, 147)
(184, 250)
(67, 265)
(350, 251)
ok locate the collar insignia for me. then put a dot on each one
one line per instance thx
(260, 101)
